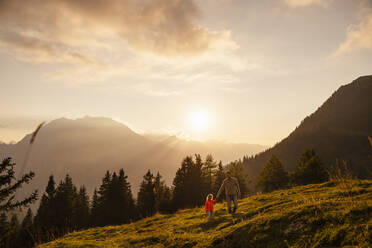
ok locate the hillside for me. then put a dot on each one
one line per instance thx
(339, 129)
(322, 215)
(87, 147)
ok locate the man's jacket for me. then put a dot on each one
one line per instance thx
(231, 187)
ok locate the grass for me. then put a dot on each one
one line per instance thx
(320, 215)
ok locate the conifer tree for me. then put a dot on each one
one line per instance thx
(125, 199)
(162, 195)
(197, 183)
(165, 203)
(180, 183)
(189, 184)
(26, 233)
(5, 230)
(209, 167)
(159, 188)
(120, 199)
(146, 196)
(102, 210)
(81, 212)
(65, 199)
(61, 210)
(219, 177)
(94, 213)
(273, 176)
(309, 169)
(9, 185)
(9, 231)
(15, 229)
(113, 203)
(44, 219)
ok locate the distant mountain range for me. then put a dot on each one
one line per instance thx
(85, 148)
(339, 129)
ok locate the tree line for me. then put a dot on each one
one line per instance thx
(309, 170)
(64, 207)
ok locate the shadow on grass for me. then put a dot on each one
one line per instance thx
(220, 221)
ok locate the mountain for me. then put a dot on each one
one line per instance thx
(85, 148)
(321, 215)
(226, 151)
(339, 129)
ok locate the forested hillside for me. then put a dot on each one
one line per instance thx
(339, 129)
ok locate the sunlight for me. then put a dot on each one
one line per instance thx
(199, 120)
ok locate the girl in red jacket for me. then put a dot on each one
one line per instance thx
(209, 206)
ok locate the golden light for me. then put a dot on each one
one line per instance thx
(199, 120)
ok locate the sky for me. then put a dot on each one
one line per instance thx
(228, 70)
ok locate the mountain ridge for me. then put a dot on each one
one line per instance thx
(338, 129)
(86, 147)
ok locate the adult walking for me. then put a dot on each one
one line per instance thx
(232, 191)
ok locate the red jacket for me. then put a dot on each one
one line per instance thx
(209, 205)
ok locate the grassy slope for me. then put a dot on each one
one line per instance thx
(321, 215)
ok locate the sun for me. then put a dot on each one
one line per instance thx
(199, 120)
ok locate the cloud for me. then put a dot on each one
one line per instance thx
(61, 29)
(358, 37)
(162, 93)
(158, 90)
(304, 3)
(36, 50)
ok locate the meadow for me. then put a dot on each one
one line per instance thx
(318, 215)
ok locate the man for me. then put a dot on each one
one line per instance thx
(232, 191)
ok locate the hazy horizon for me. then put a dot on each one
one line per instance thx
(151, 134)
(230, 70)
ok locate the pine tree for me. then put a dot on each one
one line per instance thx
(180, 182)
(273, 176)
(15, 228)
(165, 203)
(61, 210)
(209, 167)
(219, 177)
(158, 190)
(5, 230)
(125, 199)
(309, 169)
(146, 196)
(9, 231)
(26, 233)
(81, 213)
(44, 219)
(120, 199)
(9, 185)
(65, 199)
(197, 183)
(113, 203)
(103, 206)
(189, 184)
(162, 195)
(94, 209)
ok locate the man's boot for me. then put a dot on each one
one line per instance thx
(234, 210)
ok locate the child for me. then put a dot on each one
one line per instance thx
(209, 206)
